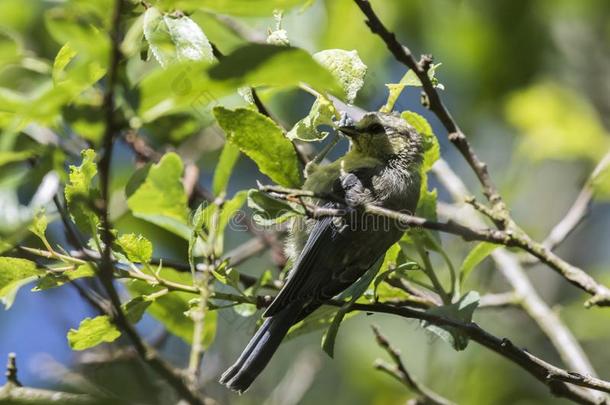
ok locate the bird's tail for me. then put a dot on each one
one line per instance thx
(259, 350)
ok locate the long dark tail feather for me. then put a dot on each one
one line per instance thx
(259, 350)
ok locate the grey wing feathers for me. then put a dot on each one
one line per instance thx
(314, 251)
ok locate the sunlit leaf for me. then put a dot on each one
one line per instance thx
(174, 37)
(347, 67)
(54, 279)
(601, 184)
(92, 332)
(169, 309)
(556, 123)
(81, 192)
(322, 113)
(476, 256)
(7, 157)
(431, 146)
(224, 168)
(272, 65)
(14, 274)
(63, 57)
(409, 79)
(161, 198)
(136, 247)
(263, 141)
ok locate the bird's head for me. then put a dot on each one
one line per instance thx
(385, 137)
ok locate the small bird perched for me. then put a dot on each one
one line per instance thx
(331, 253)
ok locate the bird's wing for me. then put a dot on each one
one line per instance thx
(331, 257)
(317, 249)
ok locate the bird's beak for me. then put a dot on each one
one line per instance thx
(349, 130)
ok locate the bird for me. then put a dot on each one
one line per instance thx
(330, 253)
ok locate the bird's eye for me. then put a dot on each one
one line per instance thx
(376, 128)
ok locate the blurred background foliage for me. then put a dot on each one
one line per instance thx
(528, 80)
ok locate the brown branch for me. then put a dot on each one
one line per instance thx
(600, 294)
(106, 267)
(14, 393)
(554, 377)
(435, 104)
(560, 336)
(551, 375)
(399, 372)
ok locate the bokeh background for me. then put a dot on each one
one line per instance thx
(528, 81)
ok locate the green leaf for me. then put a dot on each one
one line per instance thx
(460, 311)
(347, 67)
(136, 247)
(63, 57)
(169, 309)
(426, 206)
(246, 310)
(54, 279)
(134, 308)
(322, 113)
(224, 168)
(191, 86)
(229, 209)
(432, 151)
(409, 79)
(210, 323)
(556, 123)
(7, 157)
(10, 48)
(476, 256)
(601, 185)
(91, 332)
(235, 7)
(228, 276)
(39, 225)
(81, 193)
(388, 266)
(321, 318)
(174, 37)
(352, 293)
(14, 274)
(271, 65)
(263, 141)
(268, 210)
(161, 198)
(183, 86)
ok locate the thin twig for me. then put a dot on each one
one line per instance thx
(106, 268)
(578, 211)
(399, 372)
(455, 134)
(560, 336)
(551, 375)
(554, 377)
(11, 370)
(600, 293)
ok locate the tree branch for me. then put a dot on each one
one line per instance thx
(14, 393)
(554, 377)
(435, 104)
(528, 298)
(600, 294)
(578, 211)
(106, 268)
(399, 372)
